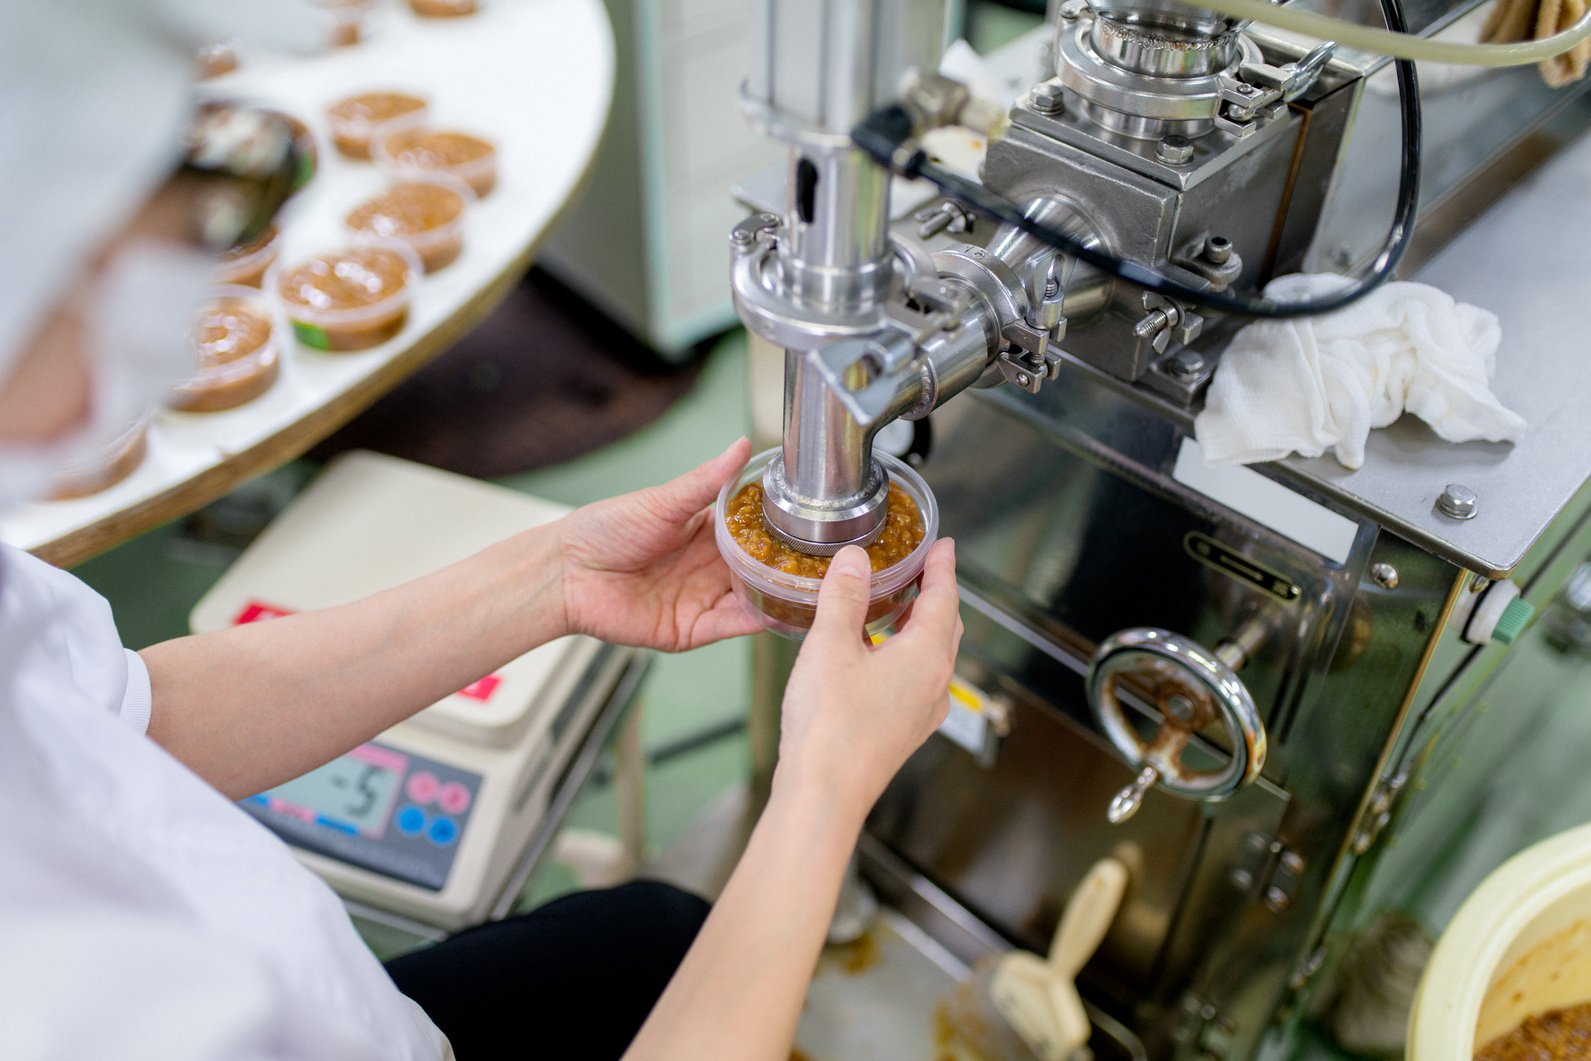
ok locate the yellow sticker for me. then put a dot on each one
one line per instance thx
(966, 696)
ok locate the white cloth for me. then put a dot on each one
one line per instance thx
(142, 914)
(1317, 383)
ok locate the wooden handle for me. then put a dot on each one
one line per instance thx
(1087, 917)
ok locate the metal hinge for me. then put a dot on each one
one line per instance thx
(1378, 814)
(1203, 1027)
(1271, 870)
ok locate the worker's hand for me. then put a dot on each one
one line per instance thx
(854, 712)
(642, 568)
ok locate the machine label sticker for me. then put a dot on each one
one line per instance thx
(483, 688)
(967, 724)
(1212, 553)
(256, 611)
(1268, 503)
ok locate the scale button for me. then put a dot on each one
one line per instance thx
(422, 787)
(411, 821)
(443, 832)
(454, 798)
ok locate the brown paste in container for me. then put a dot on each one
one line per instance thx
(1557, 1035)
(247, 263)
(443, 8)
(468, 157)
(365, 278)
(120, 460)
(353, 119)
(903, 532)
(229, 339)
(414, 212)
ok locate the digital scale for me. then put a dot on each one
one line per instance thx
(432, 819)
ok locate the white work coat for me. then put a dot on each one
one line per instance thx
(142, 914)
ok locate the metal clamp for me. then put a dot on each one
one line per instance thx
(1192, 688)
(1258, 92)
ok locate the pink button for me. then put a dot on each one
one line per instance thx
(454, 798)
(422, 787)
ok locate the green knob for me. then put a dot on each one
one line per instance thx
(1513, 621)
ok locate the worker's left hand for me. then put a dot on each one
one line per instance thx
(643, 569)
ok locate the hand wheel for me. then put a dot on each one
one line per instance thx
(1192, 688)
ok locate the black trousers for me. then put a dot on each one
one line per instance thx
(573, 980)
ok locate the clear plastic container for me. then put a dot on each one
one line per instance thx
(788, 603)
(116, 462)
(444, 8)
(354, 120)
(431, 222)
(236, 363)
(248, 263)
(407, 148)
(328, 324)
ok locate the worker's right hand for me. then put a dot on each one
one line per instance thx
(853, 711)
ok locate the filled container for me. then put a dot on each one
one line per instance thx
(786, 602)
(408, 149)
(351, 299)
(113, 464)
(235, 349)
(1518, 950)
(354, 120)
(247, 263)
(425, 213)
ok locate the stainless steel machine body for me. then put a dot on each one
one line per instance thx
(1224, 680)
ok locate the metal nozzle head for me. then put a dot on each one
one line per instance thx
(823, 527)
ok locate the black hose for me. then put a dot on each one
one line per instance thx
(882, 134)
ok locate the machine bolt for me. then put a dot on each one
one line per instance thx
(1021, 379)
(1186, 365)
(1047, 98)
(741, 236)
(1242, 880)
(1385, 574)
(1179, 707)
(1073, 10)
(1458, 502)
(1277, 900)
(1174, 150)
(1218, 249)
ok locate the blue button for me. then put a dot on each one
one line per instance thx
(261, 800)
(411, 821)
(443, 832)
(333, 823)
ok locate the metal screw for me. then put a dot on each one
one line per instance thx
(741, 236)
(1073, 10)
(1021, 379)
(1458, 502)
(1047, 98)
(1218, 249)
(1385, 574)
(1186, 365)
(1277, 900)
(1174, 150)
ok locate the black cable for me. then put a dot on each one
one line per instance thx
(882, 135)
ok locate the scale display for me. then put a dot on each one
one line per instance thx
(377, 807)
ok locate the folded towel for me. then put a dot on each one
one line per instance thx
(1317, 383)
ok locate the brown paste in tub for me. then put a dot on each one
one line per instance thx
(413, 212)
(247, 263)
(1557, 1035)
(903, 532)
(373, 279)
(229, 333)
(353, 119)
(434, 149)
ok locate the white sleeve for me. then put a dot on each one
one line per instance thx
(138, 700)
